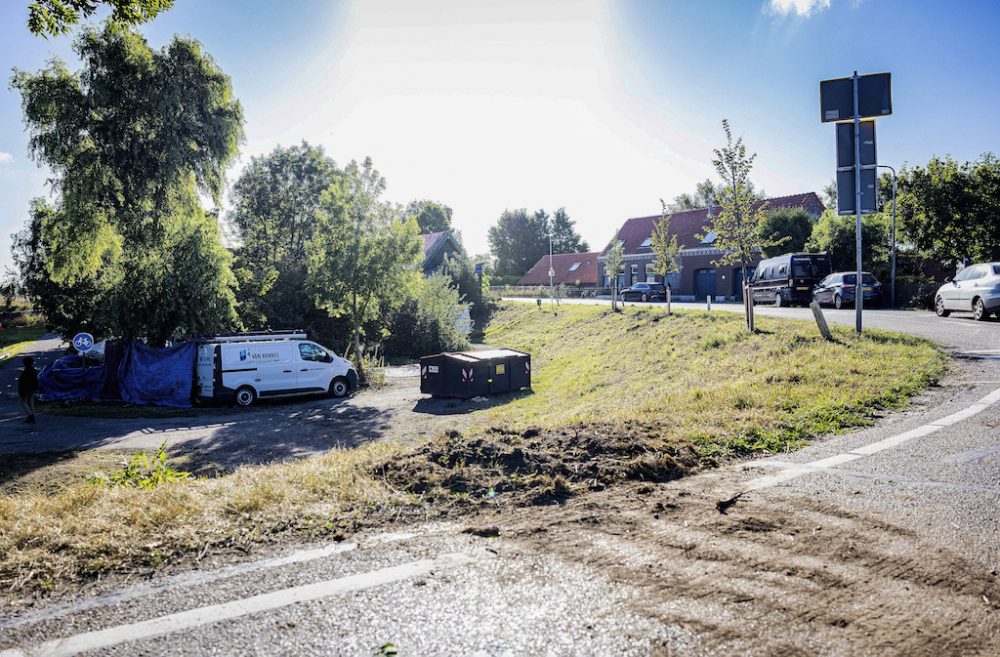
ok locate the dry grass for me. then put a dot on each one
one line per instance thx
(15, 339)
(86, 530)
(636, 395)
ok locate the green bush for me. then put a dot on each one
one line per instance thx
(434, 319)
(142, 472)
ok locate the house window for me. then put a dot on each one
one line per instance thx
(635, 274)
(576, 265)
(620, 243)
(709, 238)
(646, 243)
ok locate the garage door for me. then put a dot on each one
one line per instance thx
(704, 283)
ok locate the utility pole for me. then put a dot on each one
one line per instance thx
(552, 272)
(859, 294)
(892, 247)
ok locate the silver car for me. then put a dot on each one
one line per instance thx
(975, 289)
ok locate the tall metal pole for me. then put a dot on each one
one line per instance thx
(552, 294)
(859, 295)
(892, 251)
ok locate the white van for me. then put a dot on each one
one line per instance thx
(242, 368)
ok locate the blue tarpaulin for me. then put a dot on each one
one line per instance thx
(157, 376)
(66, 380)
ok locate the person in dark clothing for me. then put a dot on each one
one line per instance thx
(27, 387)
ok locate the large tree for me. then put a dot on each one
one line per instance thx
(705, 193)
(53, 17)
(949, 210)
(431, 216)
(517, 241)
(134, 140)
(565, 239)
(274, 206)
(363, 256)
(835, 234)
(787, 229)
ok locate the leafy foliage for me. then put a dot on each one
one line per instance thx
(737, 227)
(787, 229)
(431, 216)
(565, 239)
(362, 258)
(275, 202)
(705, 193)
(664, 246)
(54, 17)
(612, 264)
(134, 139)
(948, 210)
(518, 240)
(836, 235)
(432, 320)
(141, 471)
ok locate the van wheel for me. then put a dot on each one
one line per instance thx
(838, 301)
(940, 309)
(979, 311)
(245, 397)
(778, 301)
(339, 387)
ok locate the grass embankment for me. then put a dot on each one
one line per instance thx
(636, 395)
(15, 339)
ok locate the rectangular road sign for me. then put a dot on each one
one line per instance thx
(836, 97)
(845, 144)
(845, 191)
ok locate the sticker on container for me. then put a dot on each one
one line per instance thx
(501, 369)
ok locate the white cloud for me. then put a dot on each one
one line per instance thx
(798, 7)
(6, 158)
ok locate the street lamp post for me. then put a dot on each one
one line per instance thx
(892, 251)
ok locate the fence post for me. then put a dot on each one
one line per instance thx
(708, 300)
(821, 321)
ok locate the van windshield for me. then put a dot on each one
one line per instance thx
(816, 266)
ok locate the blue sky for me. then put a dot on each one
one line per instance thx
(601, 107)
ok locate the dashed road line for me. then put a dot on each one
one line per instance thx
(194, 618)
(801, 469)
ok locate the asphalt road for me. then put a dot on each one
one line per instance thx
(882, 541)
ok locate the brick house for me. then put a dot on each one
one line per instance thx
(577, 269)
(698, 275)
(436, 247)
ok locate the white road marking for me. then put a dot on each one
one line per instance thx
(194, 618)
(199, 578)
(794, 471)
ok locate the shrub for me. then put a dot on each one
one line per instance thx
(142, 472)
(434, 319)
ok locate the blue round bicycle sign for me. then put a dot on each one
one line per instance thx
(83, 342)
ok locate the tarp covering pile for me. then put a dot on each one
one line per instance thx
(67, 380)
(133, 372)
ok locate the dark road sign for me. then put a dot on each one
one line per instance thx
(845, 144)
(845, 191)
(836, 97)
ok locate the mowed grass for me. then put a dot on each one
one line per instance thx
(617, 397)
(701, 377)
(15, 339)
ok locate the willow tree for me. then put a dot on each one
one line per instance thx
(363, 257)
(135, 139)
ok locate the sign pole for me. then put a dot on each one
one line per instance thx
(859, 294)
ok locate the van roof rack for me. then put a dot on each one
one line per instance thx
(260, 336)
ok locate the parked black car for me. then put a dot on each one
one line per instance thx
(644, 292)
(790, 278)
(840, 289)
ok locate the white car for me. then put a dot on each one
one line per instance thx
(243, 368)
(975, 289)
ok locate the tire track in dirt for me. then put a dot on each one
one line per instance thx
(775, 575)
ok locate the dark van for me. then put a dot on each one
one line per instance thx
(790, 278)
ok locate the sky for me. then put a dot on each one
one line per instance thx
(602, 107)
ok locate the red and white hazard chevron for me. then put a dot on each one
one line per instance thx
(527, 367)
(423, 371)
(467, 375)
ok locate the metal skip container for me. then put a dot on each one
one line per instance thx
(468, 374)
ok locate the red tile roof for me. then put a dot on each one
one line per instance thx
(586, 272)
(690, 223)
